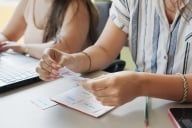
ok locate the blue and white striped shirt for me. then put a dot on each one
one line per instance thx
(156, 45)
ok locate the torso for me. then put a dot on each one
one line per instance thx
(171, 7)
(159, 42)
(40, 19)
(35, 20)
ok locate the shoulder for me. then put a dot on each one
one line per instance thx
(128, 4)
(77, 4)
(124, 3)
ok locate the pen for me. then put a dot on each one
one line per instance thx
(146, 121)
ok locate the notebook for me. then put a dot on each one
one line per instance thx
(78, 98)
(16, 70)
(83, 101)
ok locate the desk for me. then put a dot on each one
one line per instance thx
(17, 111)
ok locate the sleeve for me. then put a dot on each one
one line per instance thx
(120, 14)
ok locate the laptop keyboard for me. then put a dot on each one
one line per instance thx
(15, 68)
(187, 123)
(8, 76)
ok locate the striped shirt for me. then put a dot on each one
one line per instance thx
(156, 45)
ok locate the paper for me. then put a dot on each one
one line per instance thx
(43, 103)
(65, 72)
(80, 99)
(83, 101)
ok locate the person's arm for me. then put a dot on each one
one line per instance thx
(34, 50)
(169, 87)
(72, 36)
(16, 25)
(118, 88)
(105, 50)
(2, 40)
(74, 31)
(93, 58)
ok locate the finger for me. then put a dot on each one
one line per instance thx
(47, 59)
(45, 66)
(99, 83)
(102, 93)
(92, 85)
(2, 49)
(46, 78)
(42, 72)
(3, 43)
(106, 92)
(44, 75)
(62, 59)
(3, 46)
(56, 55)
(50, 60)
(85, 85)
(108, 101)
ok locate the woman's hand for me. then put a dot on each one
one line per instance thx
(4, 46)
(2, 40)
(114, 89)
(50, 63)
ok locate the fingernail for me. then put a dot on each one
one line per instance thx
(55, 72)
(52, 78)
(54, 75)
(58, 67)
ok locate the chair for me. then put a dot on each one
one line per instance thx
(103, 9)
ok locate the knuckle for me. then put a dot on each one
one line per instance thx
(37, 69)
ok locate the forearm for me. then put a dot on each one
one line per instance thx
(67, 45)
(100, 57)
(103, 52)
(88, 60)
(165, 86)
(16, 25)
(36, 50)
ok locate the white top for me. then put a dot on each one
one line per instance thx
(156, 45)
(32, 34)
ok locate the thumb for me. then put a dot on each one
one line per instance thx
(85, 84)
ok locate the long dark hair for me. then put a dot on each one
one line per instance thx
(57, 14)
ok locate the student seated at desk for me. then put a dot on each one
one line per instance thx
(159, 36)
(68, 25)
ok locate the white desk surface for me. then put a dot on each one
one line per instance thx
(17, 111)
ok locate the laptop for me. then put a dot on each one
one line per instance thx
(16, 70)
